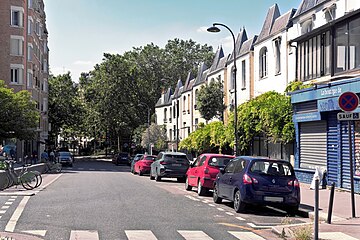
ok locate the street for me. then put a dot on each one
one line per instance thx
(97, 200)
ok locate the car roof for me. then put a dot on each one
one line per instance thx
(217, 155)
(174, 153)
(254, 158)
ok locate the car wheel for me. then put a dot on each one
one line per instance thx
(151, 176)
(187, 186)
(292, 210)
(157, 177)
(140, 173)
(216, 197)
(200, 189)
(239, 205)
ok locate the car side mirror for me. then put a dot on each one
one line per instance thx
(222, 170)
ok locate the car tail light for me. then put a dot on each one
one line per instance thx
(163, 163)
(247, 179)
(206, 170)
(294, 183)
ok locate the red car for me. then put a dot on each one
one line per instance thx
(203, 171)
(143, 165)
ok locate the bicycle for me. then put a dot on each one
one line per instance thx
(28, 179)
(52, 167)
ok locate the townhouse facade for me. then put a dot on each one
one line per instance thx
(24, 60)
(319, 43)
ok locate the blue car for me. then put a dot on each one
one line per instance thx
(258, 181)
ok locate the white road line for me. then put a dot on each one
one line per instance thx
(192, 198)
(84, 235)
(230, 213)
(194, 235)
(240, 218)
(335, 236)
(2, 211)
(8, 203)
(10, 227)
(41, 233)
(140, 235)
(246, 235)
(220, 209)
(13, 197)
(211, 205)
(5, 207)
(258, 227)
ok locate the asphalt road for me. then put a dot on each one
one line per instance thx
(98, 200)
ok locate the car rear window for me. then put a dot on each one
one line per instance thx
(219, 161)
(150, 158)
(171, 157)
(64, 154)
(273, 168)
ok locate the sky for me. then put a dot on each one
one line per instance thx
(81, 31)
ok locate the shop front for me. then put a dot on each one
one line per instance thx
(322, 141)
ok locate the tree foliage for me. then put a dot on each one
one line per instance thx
(156, 135)
(297, 85)
(19, 116)
(210, 100)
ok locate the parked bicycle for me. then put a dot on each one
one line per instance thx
(28, 179)
(52, 167)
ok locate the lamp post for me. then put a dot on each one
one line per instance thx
(148, 126)
(215, 29)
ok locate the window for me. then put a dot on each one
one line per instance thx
(347, 46)
(45, 104)
(16, 73)
(202, 161)
(232, 82)
(37, 28)
(241, 164)
(30, 3)
(263, 62)
(30, 79)
(30, 25)
(195, 98)
(17, 14)
(188, 104)
(170, 114)
(165, 115)
(307, 26)
(230, 167)
(277, 43)
(314, 57)
(16, 45)
(243, 74)
(184, 104)
(219, 161)
(30, 52)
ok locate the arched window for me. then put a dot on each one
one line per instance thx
(263, 62)
(307, 26)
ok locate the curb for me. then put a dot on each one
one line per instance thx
(19, 236)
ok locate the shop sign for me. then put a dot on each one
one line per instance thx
(307, 117)
(348, 116)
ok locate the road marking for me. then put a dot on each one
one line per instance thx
(236, 226)
(11, 199)
(220, 209)
(2, 211)
(258, 227)
(194, 235)
(230, 213)
(41, 233)
(8, 203)
(192, 198)
(5, 207)
(140, 235)
(84, 235)
(240, 218)
(211, 205)
(246, 235)
(10, 227)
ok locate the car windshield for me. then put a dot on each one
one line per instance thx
(274, 168)
(151, 158)
(219, 161)
(64, 154)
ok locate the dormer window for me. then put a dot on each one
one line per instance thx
(329, 13)
(307, 26)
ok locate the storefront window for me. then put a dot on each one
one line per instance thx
(357, 148)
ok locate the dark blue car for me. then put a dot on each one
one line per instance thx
(258, 181)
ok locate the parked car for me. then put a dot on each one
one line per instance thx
(202, 173)
(169, 165)
(65, 158)
(134, 160)
(259, 181)
(121, 158)
(143, 166)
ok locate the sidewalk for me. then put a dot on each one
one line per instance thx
(342, 225)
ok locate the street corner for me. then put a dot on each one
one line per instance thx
(18, 236)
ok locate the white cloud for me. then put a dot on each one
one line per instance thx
(202, 29)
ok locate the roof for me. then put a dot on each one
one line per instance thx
(189, 79)
(202, 74)
(275, 23)
(307, 5)
(248, 46)
(164, 99)
(241, 38)
(218, 56)
(178, 89)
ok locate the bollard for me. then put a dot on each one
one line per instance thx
(316, 217)
(331, 202)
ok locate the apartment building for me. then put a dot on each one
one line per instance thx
(24, 59)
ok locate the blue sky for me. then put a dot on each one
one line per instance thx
(80, 31)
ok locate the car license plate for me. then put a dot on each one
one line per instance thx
(176, 164)
(274, 199)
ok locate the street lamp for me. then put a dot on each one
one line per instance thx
(149, 150)
(215, 29)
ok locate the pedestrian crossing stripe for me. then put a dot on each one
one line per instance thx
(41, 233)
(84, 235)
(140, 234)
(194, 235)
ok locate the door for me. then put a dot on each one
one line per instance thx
(192, 172)
(226, 180)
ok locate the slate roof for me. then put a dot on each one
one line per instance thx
(187, 86)
(307, 5)
(202, 74)
(248, 46)
(241, 38)
(218, 56)
(178, 89)
(275, 23)
(165, 99)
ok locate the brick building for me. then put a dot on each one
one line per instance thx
(24, 59)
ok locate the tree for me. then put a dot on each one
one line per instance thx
(19, 116)
(156, 136)
(210, 100)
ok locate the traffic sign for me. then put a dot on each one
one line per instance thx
(348, 101)
(348, 116)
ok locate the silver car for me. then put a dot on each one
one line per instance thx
(65, 158)
(169, 165)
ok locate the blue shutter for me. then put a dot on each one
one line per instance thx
(332, 149)
(345, 160)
